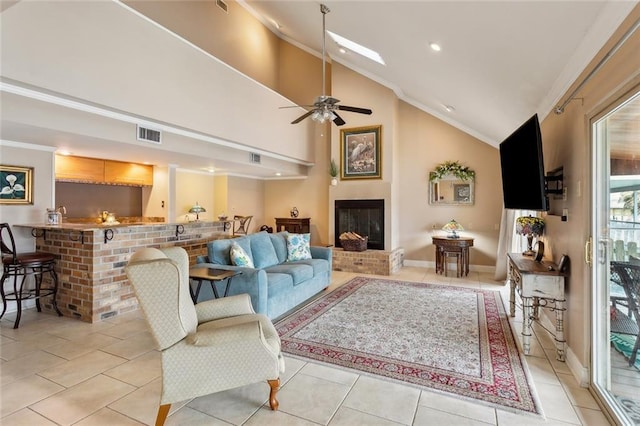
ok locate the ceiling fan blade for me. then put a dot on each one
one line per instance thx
(302, 117)
(354, 109)
(338, 120)
(297, 106)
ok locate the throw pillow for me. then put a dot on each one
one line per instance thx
(298, 247)
(239, 257)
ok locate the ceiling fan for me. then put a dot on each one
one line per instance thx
(324, 108)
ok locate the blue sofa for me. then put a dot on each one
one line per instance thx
(275, 284)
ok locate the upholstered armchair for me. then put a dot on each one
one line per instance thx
(206, 348)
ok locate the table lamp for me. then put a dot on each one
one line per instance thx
(530, 227)
(197, 209)
(452, 228)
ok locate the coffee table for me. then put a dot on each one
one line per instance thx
(212, 275)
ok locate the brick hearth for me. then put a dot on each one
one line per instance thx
(378, 262)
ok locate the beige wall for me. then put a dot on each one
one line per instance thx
(192, 187)
(41, 159)
(246, 197)
(567, 142)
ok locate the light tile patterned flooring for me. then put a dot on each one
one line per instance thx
(62, 371)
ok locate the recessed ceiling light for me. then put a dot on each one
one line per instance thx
(449, 108)
(342, 50)
(358, 48)
(278, 174)
(63, 152)
(435, 47)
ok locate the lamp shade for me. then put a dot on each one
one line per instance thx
(529, 225)
(197, 209)
(452, 228)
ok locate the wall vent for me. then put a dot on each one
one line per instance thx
(222, 5)
(149, 135)
(255, 158)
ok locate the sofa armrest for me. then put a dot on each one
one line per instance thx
(251, 281)
(318, 252)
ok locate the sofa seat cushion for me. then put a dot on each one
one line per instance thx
(320, 266)
(279, 284)
(299, 272)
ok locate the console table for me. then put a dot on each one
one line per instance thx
(538, 284)
(458, 247)
(295, 225)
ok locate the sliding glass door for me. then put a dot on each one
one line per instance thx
(616, 230)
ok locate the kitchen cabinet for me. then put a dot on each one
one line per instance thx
(128, 173)
(94, 170)
(79, 169)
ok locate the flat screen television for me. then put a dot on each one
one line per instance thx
(523, 184)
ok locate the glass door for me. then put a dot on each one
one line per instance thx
(616, 231)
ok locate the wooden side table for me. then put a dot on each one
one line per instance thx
(295, 225)
(212, 275)
(538, 284)
(452, 246)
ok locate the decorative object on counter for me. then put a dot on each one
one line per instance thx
(108, 218)
(333, 172)
(267, 228)
(452, 228)
(294, 212)
(197, 209)
(53, 217)
(222, 217)
(530, 227)
(453, 168)
(16, 185)
(361, 153)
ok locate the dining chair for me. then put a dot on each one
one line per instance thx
(241, 225)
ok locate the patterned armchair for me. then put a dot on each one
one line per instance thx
(209, 347)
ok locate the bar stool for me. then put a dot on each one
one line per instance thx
(20, 266)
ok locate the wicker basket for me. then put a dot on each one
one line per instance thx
(354, 244)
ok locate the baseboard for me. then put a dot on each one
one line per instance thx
(432, 265)
(578, 371)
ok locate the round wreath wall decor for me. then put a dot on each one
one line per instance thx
(452, 168)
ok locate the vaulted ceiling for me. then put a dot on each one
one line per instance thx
(501, 61)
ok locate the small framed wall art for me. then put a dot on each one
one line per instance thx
(361, 153)
(16, 185)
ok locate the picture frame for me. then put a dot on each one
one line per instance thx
(16, 185)
(361, 153)
(563, 264)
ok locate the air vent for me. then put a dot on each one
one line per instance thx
(149, 135)
(222, 5)
(255, 158)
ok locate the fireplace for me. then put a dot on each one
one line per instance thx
(364, 217)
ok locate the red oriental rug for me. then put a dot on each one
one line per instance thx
(449, 339)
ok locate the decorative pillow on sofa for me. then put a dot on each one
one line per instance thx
(298, 247)
(239, 257)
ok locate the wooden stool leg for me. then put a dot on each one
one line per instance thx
(163, 412)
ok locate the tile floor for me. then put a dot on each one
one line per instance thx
(65, 372)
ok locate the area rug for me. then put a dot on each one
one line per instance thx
(624, 343)
(449, 339)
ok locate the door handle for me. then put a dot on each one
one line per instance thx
(587, 252)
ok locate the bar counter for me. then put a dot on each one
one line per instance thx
(90, 259)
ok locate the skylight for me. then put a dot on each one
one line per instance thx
(355, 47)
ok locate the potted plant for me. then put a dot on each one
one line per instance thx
(333, 172)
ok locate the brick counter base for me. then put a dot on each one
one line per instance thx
(377, 262)
(93, 285)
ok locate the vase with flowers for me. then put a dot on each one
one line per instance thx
(530, 227)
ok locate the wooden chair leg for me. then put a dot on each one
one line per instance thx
(163, 412)
(275, 387)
